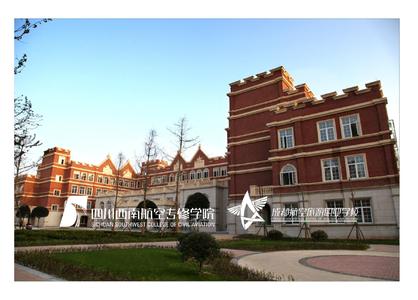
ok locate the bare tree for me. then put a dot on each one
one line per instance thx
(150, 154)
(25, 119)
(183, 141)
(119, 165)
(25, 122)
(27, 26)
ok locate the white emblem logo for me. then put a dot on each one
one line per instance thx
(69, 216)
(254, 206)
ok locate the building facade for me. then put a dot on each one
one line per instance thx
(299, 151)
(304, 152)
(59, 177)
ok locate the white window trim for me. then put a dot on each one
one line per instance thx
(371, 210)
(279, 139)
(76, 193)
(79, 190)
(319, 130)
(360, 130)
(296, 175)
(59, 192)
(323, 169)
(366, 169)
(335, 218)
(54, 207)
(298, 217)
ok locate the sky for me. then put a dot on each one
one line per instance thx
(102, 84)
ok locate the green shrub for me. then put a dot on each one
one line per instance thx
(319, 235)
(247, 236)
(200, 246)
(274, 235)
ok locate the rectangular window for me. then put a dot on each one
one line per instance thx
(291, 213)
(83, 176)
(74, 189)
(216, 172)
(99, 179)
(54, 207)
(326, 130)
(364, 210)
(106, 180)
(350, 126)
(61, 160)
(223, 171)
(58, 178)
(82, 190)
(91, 177)
(356, 166)
(88, 204)
(331, 169)
(76, 175)
(336, 214)
(98, 191)
(89, 191)
(57, 192)
(286, 138)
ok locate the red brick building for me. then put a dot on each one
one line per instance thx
(285, 143)
(59, 177)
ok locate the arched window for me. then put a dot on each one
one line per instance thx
(192, 175)
(199, 174)
(288, 175)
(102, 205)
(184, 176)
(205, 173)
(171, 178)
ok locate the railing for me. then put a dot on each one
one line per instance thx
(260, 191)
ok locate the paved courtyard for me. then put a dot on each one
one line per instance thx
(377, 263)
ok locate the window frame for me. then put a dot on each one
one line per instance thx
(333, 129)
(359, 129)
(280, 139)
(323, 169)
(362, 210)
(56, 192)
(295, 176)
(79, 190)
(292, 221)
(54, 207)
(335, 219)
(366, 171)
(76, 189)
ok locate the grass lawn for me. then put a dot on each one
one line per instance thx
(71, 237)
(129, 264)
(291, 244)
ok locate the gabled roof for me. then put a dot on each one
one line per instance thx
(107, 162)
(128, 167)
(199, 153)
(177, 158)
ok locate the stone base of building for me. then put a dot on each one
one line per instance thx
(384, 206)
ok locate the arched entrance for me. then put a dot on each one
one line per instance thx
(147, 214)
(266, 214)
(195, 204)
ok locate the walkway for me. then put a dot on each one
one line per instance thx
(380, 262)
